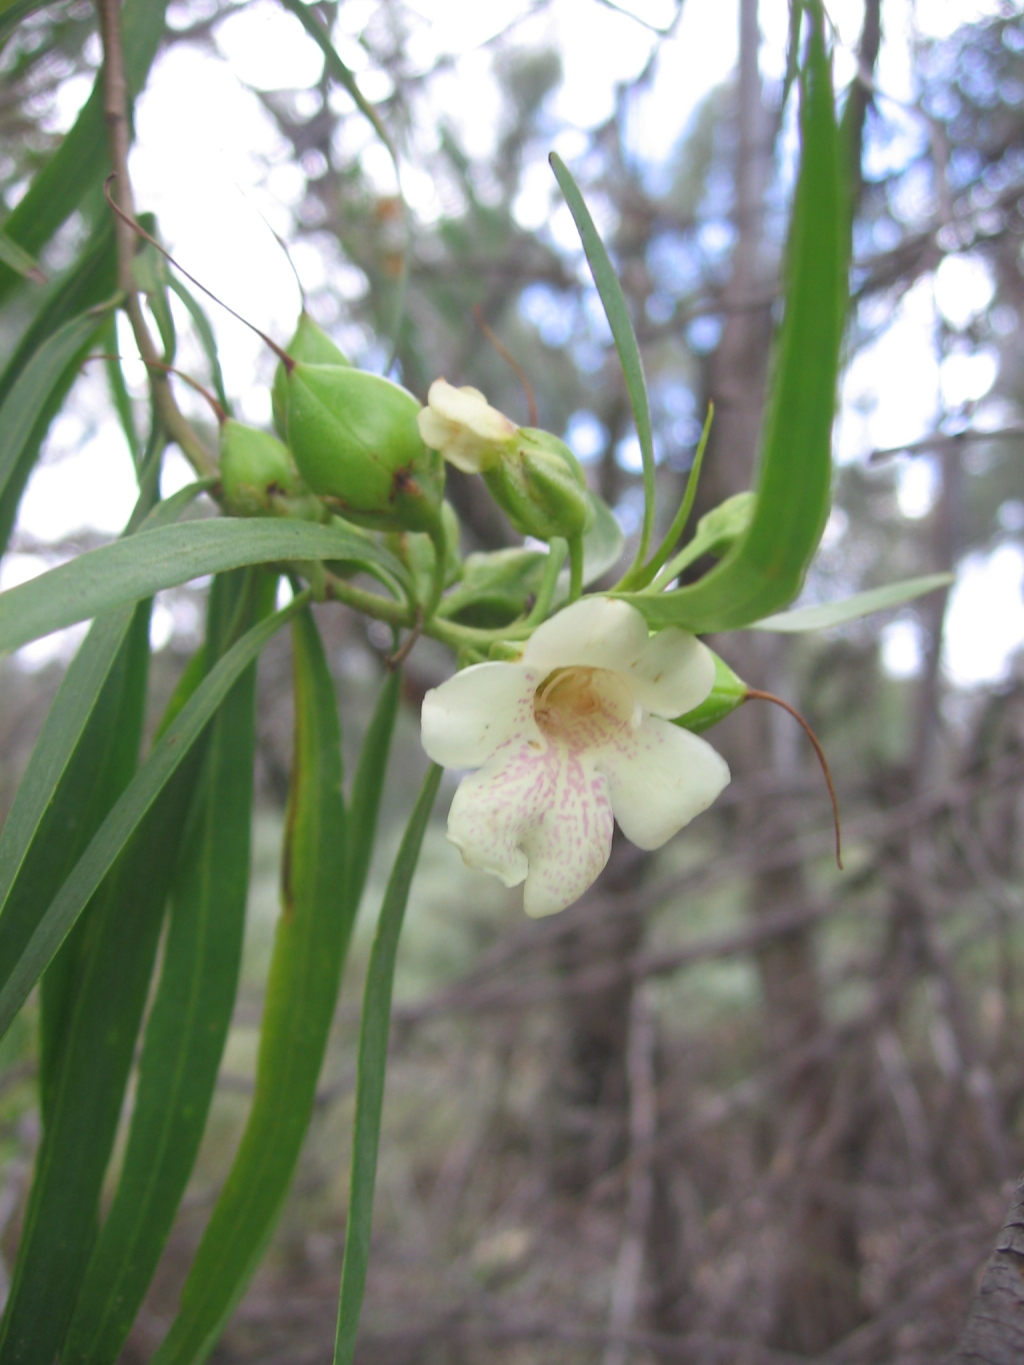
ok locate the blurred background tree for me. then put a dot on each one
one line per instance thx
(732, 1105)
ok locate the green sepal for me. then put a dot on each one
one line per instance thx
(357, 445)
(728, 693)
(259, 477)
(312, 345)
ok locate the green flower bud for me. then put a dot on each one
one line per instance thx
(541, 487)
(253, 467)
(356, 443)
(312, 345)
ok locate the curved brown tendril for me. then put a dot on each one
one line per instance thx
(218, 409)
(513, 365)
(137, 228)
(753, 693)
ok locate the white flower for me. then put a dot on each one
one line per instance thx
(568, 738)
(463, 426)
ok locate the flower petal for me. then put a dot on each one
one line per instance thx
(477, 711)
(673, 674)
(535, 812)
(659, 778)
(595, 632)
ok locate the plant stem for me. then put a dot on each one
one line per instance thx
(115, 109)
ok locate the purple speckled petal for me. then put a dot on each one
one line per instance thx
(535, 812)
(473, 714)
(659, 778)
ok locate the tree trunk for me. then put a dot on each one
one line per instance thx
(994, 1334)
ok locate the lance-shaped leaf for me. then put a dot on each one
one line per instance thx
(18, 259)
(368, 786)
(45, 375)
(81, 161)
(143, 564)
(49, 789)
(853, 608)
(312, 939)
(91, 281)
(765, 569)
(373, 1055)
(617, 312)
(188, 1021)
(20, 975)
(88, 1089)
(100, 768)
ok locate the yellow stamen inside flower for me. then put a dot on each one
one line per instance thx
(584, 707)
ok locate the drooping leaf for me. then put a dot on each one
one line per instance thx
(100, 768)
(206, 336)
(373, 1050)
(141, 565)
(11, 254)
(88, 1089)
(45, 375)
(312, 939)
(88, 283)
(853, 608)
(189, 1017)
(617, 312)
(82, 161)
(368, 785)
(46, 785)
(765, 569)
(18, 976)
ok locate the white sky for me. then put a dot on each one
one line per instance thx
(201, 164)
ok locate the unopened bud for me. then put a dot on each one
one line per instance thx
(256, 471)
(356, 443)
(312, 345)
(541, 487)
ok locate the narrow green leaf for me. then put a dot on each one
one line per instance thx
(143, 564)
(312, 939)
(617, 312)
(853, 608)
(44, 786)
(90, 282)
(373, 1056)
(33, 391)
(120, 395)
(186, 1030)
(81, 161)
(18, 259)
(765, 569)
(368, 785)
(88, 1092)
(101, 767)
(18, 977)
(206, 336)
